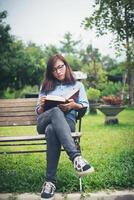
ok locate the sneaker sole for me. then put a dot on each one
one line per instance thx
(84, 173)
(51, 198)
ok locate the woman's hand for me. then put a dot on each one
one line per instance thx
(42, 101)
(70, 105)
(41, 104)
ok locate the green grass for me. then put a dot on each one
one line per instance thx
(110, 149)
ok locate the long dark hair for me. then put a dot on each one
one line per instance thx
(49, 82)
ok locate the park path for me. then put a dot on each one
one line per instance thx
(104, 195)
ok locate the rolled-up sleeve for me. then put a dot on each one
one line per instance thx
(83, 96)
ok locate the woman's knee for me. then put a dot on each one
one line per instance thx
(49, 130)
(57, 112)
(40, 124)
(50, 135)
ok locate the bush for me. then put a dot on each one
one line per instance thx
(12, 94)
(111, 88)
(93, 94)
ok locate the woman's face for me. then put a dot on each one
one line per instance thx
(59, 70)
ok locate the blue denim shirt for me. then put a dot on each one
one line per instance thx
(63, 90)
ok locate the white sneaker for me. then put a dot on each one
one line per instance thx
(47, 192)
(82, 166)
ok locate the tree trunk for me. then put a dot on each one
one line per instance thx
(124, 78)
(130, 75)
(131, 85)
(130, 68)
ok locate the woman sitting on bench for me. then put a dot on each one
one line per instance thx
(58, 122)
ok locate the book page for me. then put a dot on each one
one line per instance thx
(55, 98)
(73, 94)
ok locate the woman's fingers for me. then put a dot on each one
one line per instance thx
(42, 100)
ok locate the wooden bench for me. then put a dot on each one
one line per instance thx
(21, 112)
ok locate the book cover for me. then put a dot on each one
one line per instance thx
(52, 100)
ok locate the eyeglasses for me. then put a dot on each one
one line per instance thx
(59, 68)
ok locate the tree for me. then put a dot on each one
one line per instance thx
(69, 45)
(116, 16)
(108, 62)
(5, 47)
(5, 37)
(35, 62)
(91, 58)
(23, 66)
(74, 62)
(50, 50)
(90, 55)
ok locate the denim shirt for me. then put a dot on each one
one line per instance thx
(63, 90)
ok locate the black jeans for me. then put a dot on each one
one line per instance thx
(58, 130)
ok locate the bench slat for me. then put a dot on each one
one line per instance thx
(15, 114)
(30, 138)
(21, 138)
(23, 100)
(22, 152)
(18, 118)
(17, 109)
(17, 102)
(18, 123)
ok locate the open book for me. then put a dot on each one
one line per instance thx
(52, 100)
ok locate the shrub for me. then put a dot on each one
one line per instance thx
(93, 94)
(12, 94)
(111, 88)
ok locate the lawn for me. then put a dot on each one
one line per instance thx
(110, 149)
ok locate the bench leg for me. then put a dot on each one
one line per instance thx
(77, 143)
(80, 182)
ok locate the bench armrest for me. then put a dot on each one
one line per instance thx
(81, 112)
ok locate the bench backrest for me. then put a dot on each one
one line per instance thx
(21, 112)
(17, 112)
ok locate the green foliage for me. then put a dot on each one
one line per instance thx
(74, 62)
(69, 45)
(117, 69)
(50, 50)
(93, 94)
(111, 88)
(110, 149)
(111, 15)
(91, 64)
(5, 37)
(108, 62)
(116, 16)
(96, 75)
(90, 54)
(23, 65)
(12, 94)
(5, 43)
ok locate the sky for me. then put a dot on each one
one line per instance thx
(47, 21)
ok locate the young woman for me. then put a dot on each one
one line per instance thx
(58, 122)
